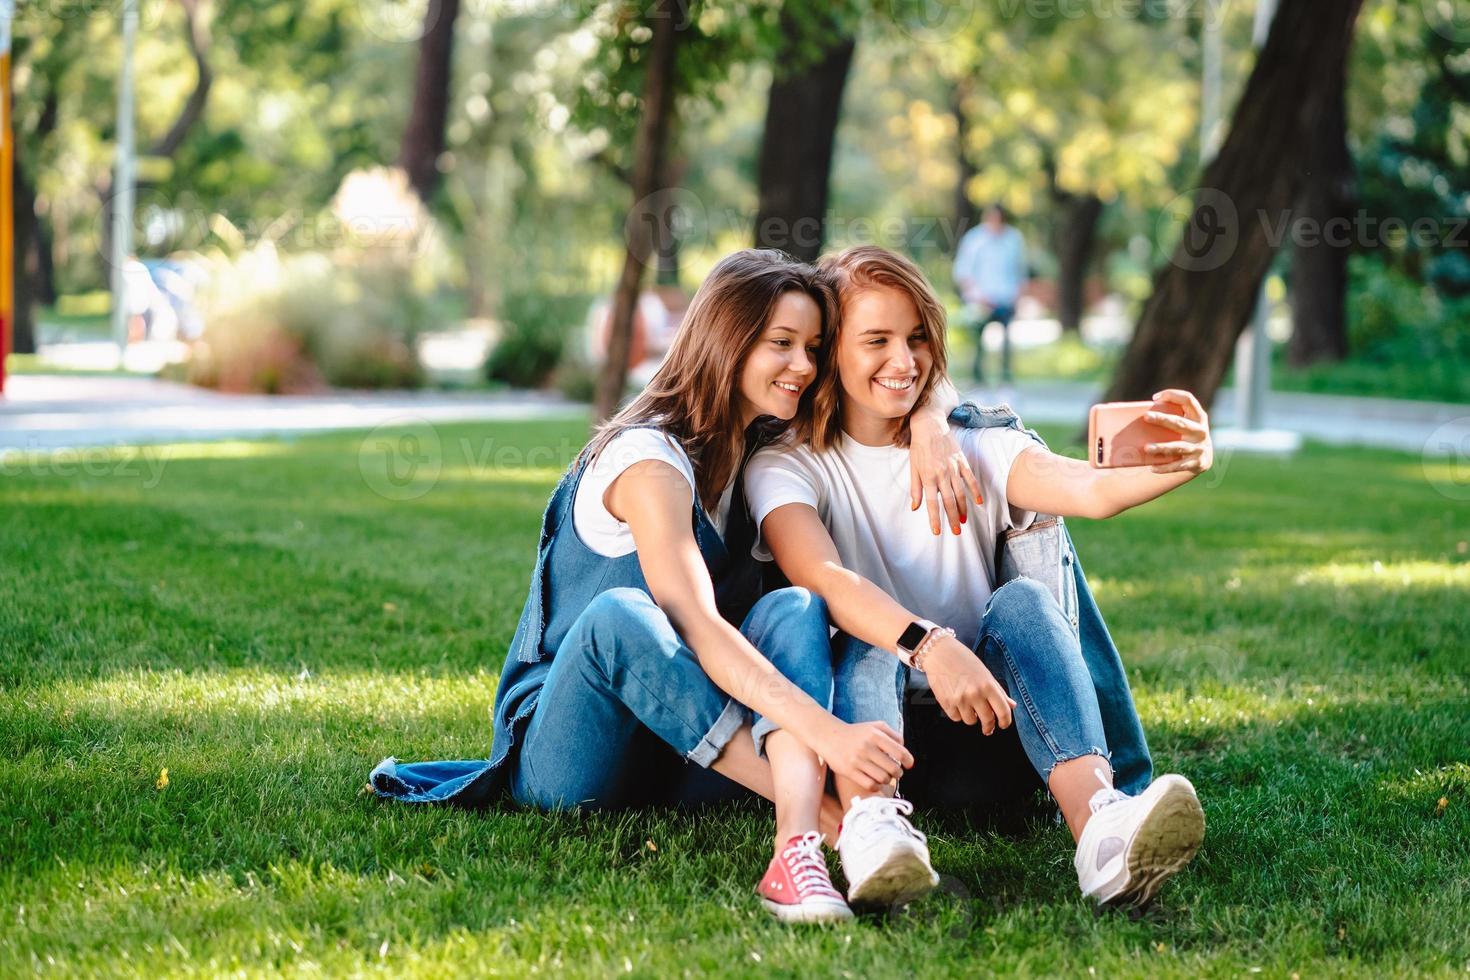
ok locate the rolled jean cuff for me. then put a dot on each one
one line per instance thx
(1062, 757)
(763, 726)
(719, 735)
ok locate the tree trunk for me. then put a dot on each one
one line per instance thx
(666, 245)
(423, 137)
(32, 268)
(1204, 297)
(26, 245)
(966, 214)
(1074, 236)
(197, 36)
(796, 147)
(1319, 263)
(648, 152)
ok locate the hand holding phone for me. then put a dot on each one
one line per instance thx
(1171, 433)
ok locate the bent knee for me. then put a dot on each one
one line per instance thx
(788, 609)
(621, 615)
(1021, 597)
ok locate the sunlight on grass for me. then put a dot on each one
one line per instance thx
(1388, 575)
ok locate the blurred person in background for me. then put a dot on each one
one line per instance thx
(989, 271)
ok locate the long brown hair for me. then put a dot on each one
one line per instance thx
(854, 270)
(694, 395)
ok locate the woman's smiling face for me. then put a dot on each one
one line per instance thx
(883, 361)
(783, 362)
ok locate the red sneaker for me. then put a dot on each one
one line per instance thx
(796, 887)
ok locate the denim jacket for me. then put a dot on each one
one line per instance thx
(1044, 552)
(568, 575)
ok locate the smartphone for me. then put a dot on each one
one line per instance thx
(1117, 432)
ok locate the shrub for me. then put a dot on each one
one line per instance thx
(534, 335)
(295, 323)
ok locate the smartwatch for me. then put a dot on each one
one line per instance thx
(912, 637)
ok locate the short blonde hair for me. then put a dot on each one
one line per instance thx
(855, 270)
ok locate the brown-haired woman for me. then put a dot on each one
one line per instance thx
(644, 630)
(928, 640)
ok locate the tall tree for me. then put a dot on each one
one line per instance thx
(1203, 299)
(966, 214)
(1319, 274)
(424, 136)
(1074, 218)
(801, 129)
(1069, 115)
(639, 228)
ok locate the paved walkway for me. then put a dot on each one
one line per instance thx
(65, 411)
(1434, 428)
(59, 411)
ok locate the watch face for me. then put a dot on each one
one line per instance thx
(912, 637)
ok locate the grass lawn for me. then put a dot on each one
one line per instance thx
(254, 619)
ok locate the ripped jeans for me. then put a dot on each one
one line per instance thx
(1027, 643)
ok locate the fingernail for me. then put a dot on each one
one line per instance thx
(964, 518)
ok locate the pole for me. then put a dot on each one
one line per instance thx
(122, 198)
(1209, 96)
(1253, 351)
(7, 206)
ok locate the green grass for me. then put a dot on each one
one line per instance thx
(252, 617)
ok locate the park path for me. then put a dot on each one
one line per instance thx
(46, 412)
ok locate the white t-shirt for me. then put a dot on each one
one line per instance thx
(862, 495)
(595, 525)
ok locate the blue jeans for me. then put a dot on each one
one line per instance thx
(1027, 643)
(625, 695)
(1001, 315)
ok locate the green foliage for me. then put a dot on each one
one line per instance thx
(535, 332)
(1406, 340)
(252, 617)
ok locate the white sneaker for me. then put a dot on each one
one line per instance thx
(1132, 844)
(885, 859)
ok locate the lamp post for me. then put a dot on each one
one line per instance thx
(7, 208)
(122, 185)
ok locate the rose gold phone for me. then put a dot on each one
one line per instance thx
(1117, 433)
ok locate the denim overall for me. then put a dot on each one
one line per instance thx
(621, 663)
(1044, 553)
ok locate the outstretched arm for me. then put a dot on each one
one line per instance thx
(1045, 482)
(655, 500)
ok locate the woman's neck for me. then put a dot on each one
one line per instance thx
(868, 429)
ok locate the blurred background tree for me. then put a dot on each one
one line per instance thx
(515, 126)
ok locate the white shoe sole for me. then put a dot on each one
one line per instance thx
(1165, 840)
(902, 876)
(808, 912)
